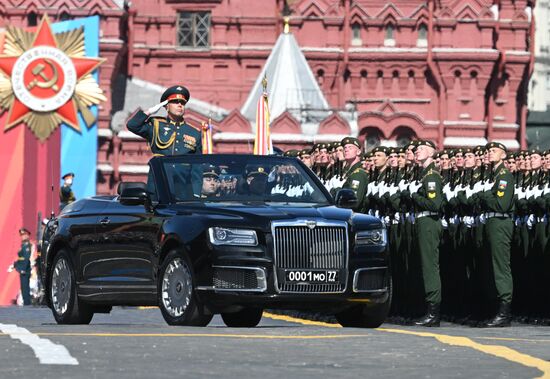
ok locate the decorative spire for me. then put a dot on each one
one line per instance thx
(286, 28)
(264, 83)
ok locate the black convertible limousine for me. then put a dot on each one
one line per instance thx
(219, 234)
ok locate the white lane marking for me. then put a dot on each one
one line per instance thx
(47, 352)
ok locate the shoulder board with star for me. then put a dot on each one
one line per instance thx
(356, 170)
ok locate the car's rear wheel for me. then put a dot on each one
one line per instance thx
(63, 296)
(368, 315)
(177, 299)
(245, 318)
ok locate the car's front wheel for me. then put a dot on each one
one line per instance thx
(368, 315)
(66, 307)
(245, 318)
(176, 296)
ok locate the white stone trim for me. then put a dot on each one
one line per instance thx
(128, 135)
(517, 52)
(504, 125)
(105, 167)
(462, 50)
(104, 132)
(465, 123)
(387, 50)
(133, 169)
(464, 141)
(509, 143)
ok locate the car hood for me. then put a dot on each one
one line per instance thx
(261, 214)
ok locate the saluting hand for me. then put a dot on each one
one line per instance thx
(154, 109)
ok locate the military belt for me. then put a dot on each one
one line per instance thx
(496, 214)
(425, 214)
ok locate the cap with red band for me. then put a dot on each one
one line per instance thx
(176, 93)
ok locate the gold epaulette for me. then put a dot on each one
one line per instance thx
(358, 169)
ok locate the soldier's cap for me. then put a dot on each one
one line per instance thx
(425, 143)
(459, 150)
(291, 153)
(467, 150)
(315, 147)
(24, 231)
(546, 152)
(479, 150)
(67, 175)
(323, 146)
(176, 93)
(401, 150)
(380, 149)
(392, 150)
(211, 171)
(409, 144)
(534, 151)
(350, 141)
(498, 145)
(444, 152)
(512, 156)
(252, 170)
(303, 152)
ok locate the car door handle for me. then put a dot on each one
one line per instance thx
(104, 221)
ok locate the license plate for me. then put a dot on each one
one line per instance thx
(311, 276)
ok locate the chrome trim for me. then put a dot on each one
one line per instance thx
(356, 278)
(260, 276)
(306, 222)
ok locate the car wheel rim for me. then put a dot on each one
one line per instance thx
(61, 286)
(176, 288)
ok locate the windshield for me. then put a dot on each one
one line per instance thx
(241, 178)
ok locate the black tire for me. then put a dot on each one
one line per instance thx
(245, 318)
(176, 292)
(368, 315)
(62, 293)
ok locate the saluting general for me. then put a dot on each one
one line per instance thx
(169, 135)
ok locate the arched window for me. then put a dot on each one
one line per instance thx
(422, 36)
(64, 16)
(32, 19)
(389, 38)
(356, 34)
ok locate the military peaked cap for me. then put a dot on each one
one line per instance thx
(24, 231)
(380, 149)
(255, 170)
(67, 175)
(291, 153)
(176, 93)
(425, 143)
(350, 141)
(495, 144)
(210, 170)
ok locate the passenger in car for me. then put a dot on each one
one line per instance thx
(210, 182)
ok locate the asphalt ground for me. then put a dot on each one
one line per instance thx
(137, 343)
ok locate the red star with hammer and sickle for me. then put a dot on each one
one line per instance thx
(68, 111)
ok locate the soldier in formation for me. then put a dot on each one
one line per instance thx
(467, 227)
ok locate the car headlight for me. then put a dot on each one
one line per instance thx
(236, 237)
(375, 237)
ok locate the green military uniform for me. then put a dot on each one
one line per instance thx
(356, 178)
(164, 135)
(23, 266)
(427, 202)
(498, 205)
(66, 194)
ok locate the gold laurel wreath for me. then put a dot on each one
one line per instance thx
(87, 91)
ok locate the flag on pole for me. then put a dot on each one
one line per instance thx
(207, 137)
(262, 140)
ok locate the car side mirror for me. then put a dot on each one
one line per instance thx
(135, 196)
(346, 198)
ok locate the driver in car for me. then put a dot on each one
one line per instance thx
(210, 182)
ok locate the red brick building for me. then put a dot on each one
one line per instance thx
(453, 71)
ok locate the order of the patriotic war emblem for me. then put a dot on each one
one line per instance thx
(46, 79)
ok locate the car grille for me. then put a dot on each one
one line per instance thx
(323, 247)
(235, 279)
